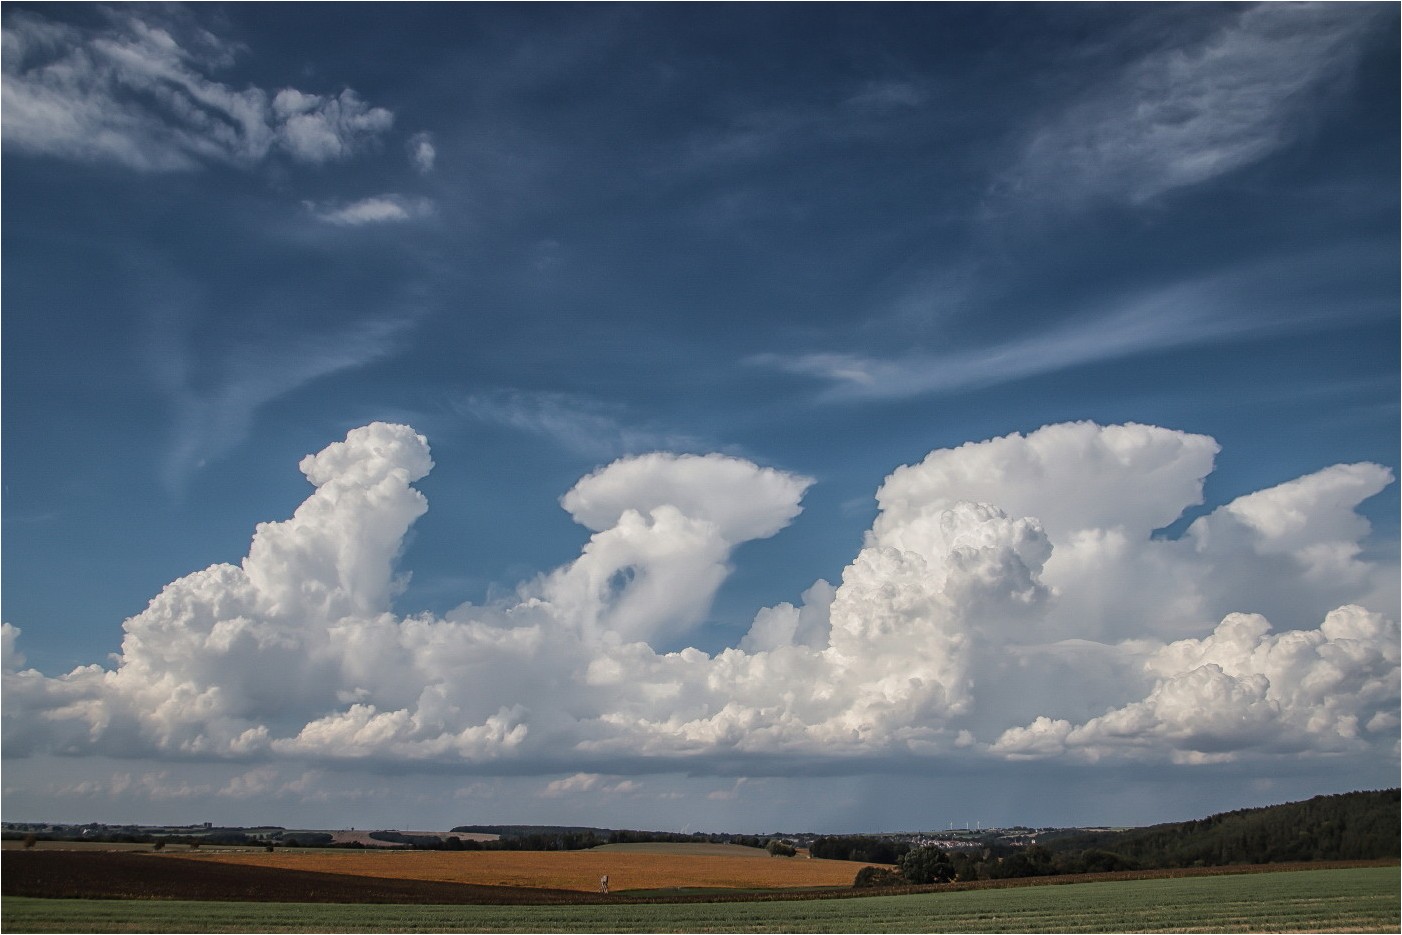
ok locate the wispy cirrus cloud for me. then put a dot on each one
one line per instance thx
(1269, 297)
(778, 130)
(577, 423)
(140, 91)
(1135, 330)
(1185, 114)
(213, 416)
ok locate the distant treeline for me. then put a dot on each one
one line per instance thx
(994, 860)
(863, 848)
(512, 838)
(547, 838)
(1353, 826)
(134, 836)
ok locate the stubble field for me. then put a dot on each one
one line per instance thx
(627, 869)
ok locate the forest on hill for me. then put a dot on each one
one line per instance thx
(1350, 826)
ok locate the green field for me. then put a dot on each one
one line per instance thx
(1353, 900)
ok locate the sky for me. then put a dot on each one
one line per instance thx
(697, 417)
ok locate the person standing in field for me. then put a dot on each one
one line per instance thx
(604, 883)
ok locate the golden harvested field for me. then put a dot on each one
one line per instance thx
(363, 837)
(686, 850)
(570, 870)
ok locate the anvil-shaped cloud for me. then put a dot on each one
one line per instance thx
(1028, 560)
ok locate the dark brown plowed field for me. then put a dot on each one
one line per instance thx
(124, 875)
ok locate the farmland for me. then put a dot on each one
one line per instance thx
(1357, 900)
(629, 867)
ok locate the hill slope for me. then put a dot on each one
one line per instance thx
(1351, 826)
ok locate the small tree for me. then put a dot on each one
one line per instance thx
(927, 865)
(30, 840)
(158, 845)
(778, 848)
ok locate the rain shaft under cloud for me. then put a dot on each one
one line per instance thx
(1264, 630)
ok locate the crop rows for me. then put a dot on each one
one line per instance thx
(1360, 900)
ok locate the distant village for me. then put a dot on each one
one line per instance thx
(963, 839)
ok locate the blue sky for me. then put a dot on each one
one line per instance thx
(797, 248)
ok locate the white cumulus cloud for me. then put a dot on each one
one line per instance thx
(1244, 688)
(1011, 601)
(422, 153)
(377, 209)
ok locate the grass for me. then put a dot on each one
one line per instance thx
(1353, 900)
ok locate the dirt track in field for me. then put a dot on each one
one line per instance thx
(562, 870)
